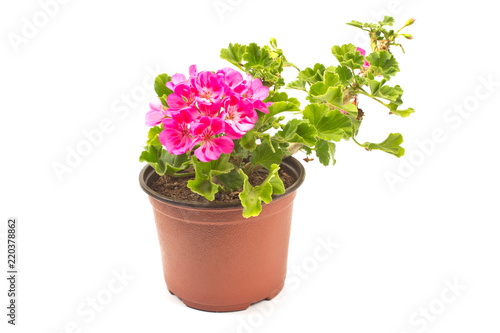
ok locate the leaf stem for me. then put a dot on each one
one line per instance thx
(363, 92)
(359, 144)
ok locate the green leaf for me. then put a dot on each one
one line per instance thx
(218, 166)
(378, 89)
(153, 134)
(266, 137)
(298, 85)
(347, 55)
(391, 145)
(298, 131)
(251, 197)
(312, 75)
(273, 43)
(344, 74)
(330, 124)
(388, 20)
(231, 181)
(331, 92)
(248, 141)
(277, 97)
(152, 155)
(356, 24)
(205, 172)
(160, 86)
(391, 94)
(264, 155)
(257, 57)
(202, 184)
(276, 183)
(175, 163)
(239, 151)
(383, 63)
(163, 161)
(233, 54)
(401, 113)
(282, 97)
(325, 151)
(278, 107)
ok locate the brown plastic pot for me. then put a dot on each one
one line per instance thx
(216, 260)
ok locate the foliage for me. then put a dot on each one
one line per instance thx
(221, 127)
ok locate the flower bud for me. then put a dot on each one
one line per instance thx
(280, 118)
(409, 22)
(407, 36)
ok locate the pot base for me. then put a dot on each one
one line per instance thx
(225, 308)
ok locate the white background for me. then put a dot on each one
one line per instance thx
(398, 245)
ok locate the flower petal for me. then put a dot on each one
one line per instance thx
(155, 104)
(225, 144)
(217, 126)
(259, 105)
(154, 117)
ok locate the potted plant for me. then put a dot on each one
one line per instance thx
(221, 176)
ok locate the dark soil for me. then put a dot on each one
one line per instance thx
(176, 187)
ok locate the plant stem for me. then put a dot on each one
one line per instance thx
(353, 139)
(362, 92)
(247, 167)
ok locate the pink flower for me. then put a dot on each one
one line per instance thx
(239, 116)
(192, 71)
(210, 110)
(234, 80)
(182, 98)
(176, 138)
(363, 53)
(256, 93)
(156, 113)
(175, 81)
(210, 87)
(211, 147)
(180, 78)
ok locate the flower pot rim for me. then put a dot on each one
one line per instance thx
(290, 163)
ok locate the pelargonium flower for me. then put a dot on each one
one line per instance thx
(176, 138)
(234, 80)
(363, 53)
(256, 93)
(180, 78)
(209, 86)
(183, 97)
(157, 112)
(176, 80)
(212, 146)
(239, 116)
(210, 110)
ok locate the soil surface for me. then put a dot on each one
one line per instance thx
(176, 187)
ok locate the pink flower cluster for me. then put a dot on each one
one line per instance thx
(208, 109)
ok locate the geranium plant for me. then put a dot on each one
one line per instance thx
(219, 127)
